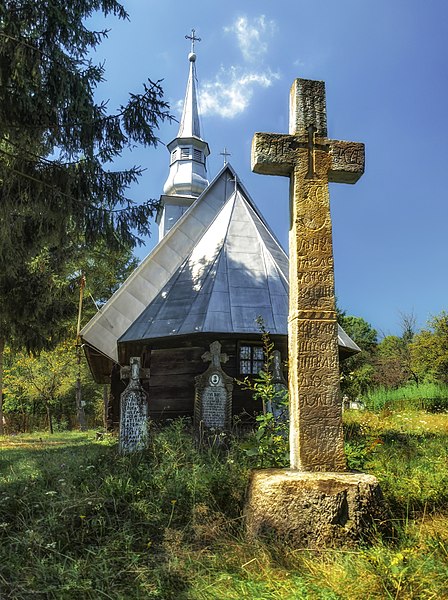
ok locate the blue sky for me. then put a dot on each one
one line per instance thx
(385, 67)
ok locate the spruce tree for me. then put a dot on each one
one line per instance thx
(58, 189)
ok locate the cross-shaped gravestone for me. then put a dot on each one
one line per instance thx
(214, 355)
(277, 405)
(134, 372)
(213, 392)
(311, 161)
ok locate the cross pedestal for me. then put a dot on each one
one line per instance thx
(316, 490)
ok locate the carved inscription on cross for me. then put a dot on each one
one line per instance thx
(310, 145)
(213, 392)
(133, 409)
(311, 161)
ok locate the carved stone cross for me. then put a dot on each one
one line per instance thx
(215, 355)
(311, 161)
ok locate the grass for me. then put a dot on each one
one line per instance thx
(79, 521)
(425, 396)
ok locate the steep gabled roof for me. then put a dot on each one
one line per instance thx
(144, 284)
(236, 273)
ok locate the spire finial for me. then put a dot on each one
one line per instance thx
(225, 154)
(193, 38)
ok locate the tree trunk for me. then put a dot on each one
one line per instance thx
(49, 418)
(79, 403)
(2, 349)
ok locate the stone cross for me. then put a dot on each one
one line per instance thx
(277, 407)
(214, 355)
(311, 161)
(134, 372)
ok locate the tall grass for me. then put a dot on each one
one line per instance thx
(425, 396)
(79, 521)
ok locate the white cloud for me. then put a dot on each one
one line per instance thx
(252, 36)
(231, 92)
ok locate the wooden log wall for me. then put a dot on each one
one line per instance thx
(171, 385)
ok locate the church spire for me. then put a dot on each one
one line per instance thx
(188, 151)
(189, 123)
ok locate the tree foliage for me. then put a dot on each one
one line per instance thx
(58, 190)
(357, 371)
(56, 140)
(392, 364)
(35, 386)
(429, 350)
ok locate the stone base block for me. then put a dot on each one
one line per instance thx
(311, 509)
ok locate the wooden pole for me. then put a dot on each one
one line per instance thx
(79, 403)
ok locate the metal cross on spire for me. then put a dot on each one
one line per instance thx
(225, 154)
(193, 39)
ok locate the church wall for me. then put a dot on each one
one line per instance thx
(171, 386)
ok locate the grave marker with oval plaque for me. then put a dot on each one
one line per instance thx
(213, 392)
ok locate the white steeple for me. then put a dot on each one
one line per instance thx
(187, 178)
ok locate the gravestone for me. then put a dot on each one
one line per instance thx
(133, 409)
(314, 500)
(213, 393)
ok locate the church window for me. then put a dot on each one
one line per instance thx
(173, 155)
(184, 153)
(251, 359)
(197, 155)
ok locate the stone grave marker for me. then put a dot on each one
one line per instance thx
(133, 409)
(213, 392)
(315, 500)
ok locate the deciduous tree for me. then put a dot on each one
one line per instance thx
(357, 371)
(429, 350)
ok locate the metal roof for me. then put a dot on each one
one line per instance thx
(236, 273)
(189, 123)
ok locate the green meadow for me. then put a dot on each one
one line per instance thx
(77, 520)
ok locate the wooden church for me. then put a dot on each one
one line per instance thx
(216, 269)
